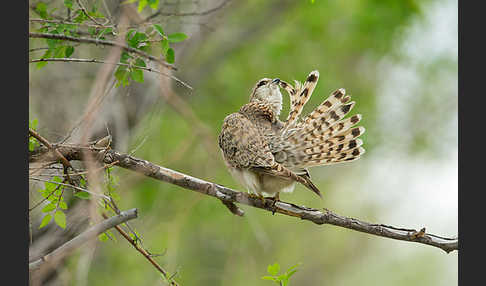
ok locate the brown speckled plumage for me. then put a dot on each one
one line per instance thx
(268, 156)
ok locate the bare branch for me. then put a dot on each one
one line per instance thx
(87, 235)
(203, 13)
(230, 196)
(100, 42)
(104, 62)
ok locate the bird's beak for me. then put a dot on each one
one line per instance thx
(276, 81)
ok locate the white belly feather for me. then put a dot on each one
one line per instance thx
(265, 185)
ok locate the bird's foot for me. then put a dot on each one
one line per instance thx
(274, 199)
(257, 196)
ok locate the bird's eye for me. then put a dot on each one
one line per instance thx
(263, 82)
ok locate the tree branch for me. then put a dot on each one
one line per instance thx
(76, 242)
(229, 197)
(46, 143)
(100, 42)
(104, 62)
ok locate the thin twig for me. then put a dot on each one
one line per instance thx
(147, 255)
(110, 63)
(86, 13)
(46, 198)
(183, 14)
(35, 20)
(100, 42)
(71, 186)
(84, 237)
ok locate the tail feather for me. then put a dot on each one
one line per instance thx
(300, 98)
(322, 137)
(323, 146)
(330, 137)
(323, 159)
(336, 98)
(329, 122)
(279, 170)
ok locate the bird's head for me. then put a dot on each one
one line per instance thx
(268, 90)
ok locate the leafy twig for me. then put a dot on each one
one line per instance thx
(203, 13)
(144, 253)
(110, 63)
(100, 42)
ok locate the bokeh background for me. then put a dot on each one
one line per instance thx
(398, 59)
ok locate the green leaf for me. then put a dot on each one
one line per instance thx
(80, 17)
(154, 4)
(295, 266)
(68, 3)
(82, 195)
(48, 208)
(176, 37)
(32, 144)
(137, 75)
(60, 218)
(63, 205)
(47, 54)
(45, 220)
(282, 277)
(33, 123)
(290, 273)
(43, 192)
(139, 62)
(159, 30)
(170, 57)
(165, 46)
(134, 38)
(60, 52)
(273, 269)
(121, 74)
(50, 186)
(68, 51)
(271, 278)
(103, 32)
(103, 237)
(41, 8)
(124, 58)
(92, 31)
(141, 5)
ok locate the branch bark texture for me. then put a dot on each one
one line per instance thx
(84, 237)
(229, 197)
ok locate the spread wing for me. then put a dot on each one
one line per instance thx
(243, 144)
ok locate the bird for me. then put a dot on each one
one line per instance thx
(269, 156)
